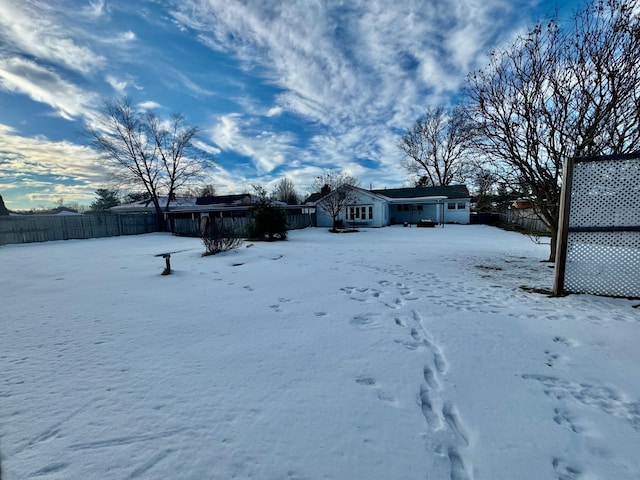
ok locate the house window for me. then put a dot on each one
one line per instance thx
(359, 212)
(451, 206)
(461, 206)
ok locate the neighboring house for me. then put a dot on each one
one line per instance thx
(195, 208)
(187, 211)
(378, 208)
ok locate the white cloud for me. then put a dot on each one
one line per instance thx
(121, 39)
(127, 36)
(226, 132)
(117, 84)
(94, 9)
(268, 150)
(43, 85)
(361, 70)
(149, 105)
(347, 64)
(274, 111)
(44, 170)
(32, 28)
(192, 86)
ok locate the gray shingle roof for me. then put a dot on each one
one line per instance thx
(449, 191)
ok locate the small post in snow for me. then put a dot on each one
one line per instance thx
(167, 259)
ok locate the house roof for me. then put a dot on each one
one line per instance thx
(240, 199)
(314, 197)
(203, 204)
(448, 191)
(147, 205)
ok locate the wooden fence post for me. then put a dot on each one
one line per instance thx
(563, 228)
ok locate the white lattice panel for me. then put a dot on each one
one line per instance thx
(605, 193)
(603, 263)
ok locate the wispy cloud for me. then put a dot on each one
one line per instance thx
(95, 9)
(268, 150)
(47, 169)
(344, 64)
(193, 87)
(44, 85)
(149, 105)
(31, 28)
(117, 84)
(363, 70)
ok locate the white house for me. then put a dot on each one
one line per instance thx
(379, 208)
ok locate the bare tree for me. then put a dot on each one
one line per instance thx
(146, 152)
(285, 191)
(205, 190)
(559, 92)
(337, 194)
(435, 147)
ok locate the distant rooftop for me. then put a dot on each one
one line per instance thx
(449, 191)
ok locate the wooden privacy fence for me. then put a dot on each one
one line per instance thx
(45, 228)
(240, 225)
(525, 218)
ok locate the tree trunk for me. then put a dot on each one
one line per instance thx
(553, 243)
(160, 224)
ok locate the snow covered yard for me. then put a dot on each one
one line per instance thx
(395, 353)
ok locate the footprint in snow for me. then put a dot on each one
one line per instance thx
(365, 380)
(368, 381)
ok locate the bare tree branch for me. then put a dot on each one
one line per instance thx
(335, 185)
(435, 147)
(146, 152)
(560, 92)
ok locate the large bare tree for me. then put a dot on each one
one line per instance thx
(146, 152)
(560, 91)
(285, 191)
(337, 194)
(435, 147)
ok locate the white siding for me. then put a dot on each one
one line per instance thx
(363, 200)
(457, 214)
(411, 211)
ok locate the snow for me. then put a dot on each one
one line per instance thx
(393, 353)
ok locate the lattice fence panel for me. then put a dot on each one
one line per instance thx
(605, 193)
(603, 263)
(603, 241)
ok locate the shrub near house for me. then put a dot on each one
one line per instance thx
(269, 223)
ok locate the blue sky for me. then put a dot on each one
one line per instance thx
(278, 88)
